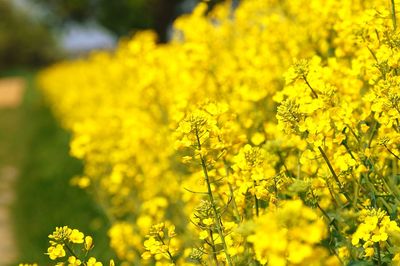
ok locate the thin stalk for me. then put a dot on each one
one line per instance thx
(379, 254)
(353, 133)
(373, 54)
(235, 208)
(334, 174)
(382, 201)
(392, 188)
(323, 211)
(372, 189)
(70, 250)
(394, 20)
(284, 165)
(374, 129)
(257, 205)
(217, 219)
(312, 90)
(375, 194)
(171, 258)
(356, 190)
(392, 153)
(337, 229)
(214, 251)
(344, 143)
(331, 222)
(335, 200)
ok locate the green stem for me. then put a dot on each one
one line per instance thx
(394, 20)
(331, 222)
(235, 208)
(373, 54)
(256, 203)
(335, 200)
(392, 153)
(379, 253)
(353, 133)
(312, 90)
(375, 194)
(70, 250)
(334, 174)
(392, 188)
(168, 252)
(374, 129)
(214, 251)
(217, 219)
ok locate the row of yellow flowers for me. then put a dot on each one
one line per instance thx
(266, 134)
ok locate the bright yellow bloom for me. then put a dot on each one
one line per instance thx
(73, 261)
(88, 242)
(375, 227)
(76, 236)
(93, 262)
(56, 251)
(289, 235)
(247, 116)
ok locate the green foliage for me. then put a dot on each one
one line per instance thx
(23, 41)
(121, 17)
(33, 142)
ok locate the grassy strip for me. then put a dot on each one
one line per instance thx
(39, 148)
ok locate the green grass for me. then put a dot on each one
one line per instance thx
(32, 141)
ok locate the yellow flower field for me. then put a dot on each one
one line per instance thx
(266, 134)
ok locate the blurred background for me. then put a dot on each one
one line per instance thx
(35, 168)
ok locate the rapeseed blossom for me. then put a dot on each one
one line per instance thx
(71, 247)
(263, 134)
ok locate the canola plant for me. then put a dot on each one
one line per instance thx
(266, 134)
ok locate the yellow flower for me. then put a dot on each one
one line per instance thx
(146, 255)
(208, 221)
(88, 243)
(55, 252)
(93, 262)
(76, 236)
(396, 258)
(152, 245)
(257, 138)
(260, 134)
(203, 234)
(73, 261)
(290, 233)
(369, 252)
(375, 227)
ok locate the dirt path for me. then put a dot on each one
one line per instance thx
(11, 94)
(8, 251)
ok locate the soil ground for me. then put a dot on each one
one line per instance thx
(11, 95)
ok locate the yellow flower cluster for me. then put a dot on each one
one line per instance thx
(375, 228)
(60, 238)
(290, 235)
(161, 243)
(261, 132)
(73, 244)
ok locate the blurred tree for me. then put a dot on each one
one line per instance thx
(23, 41)
(119, 16)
